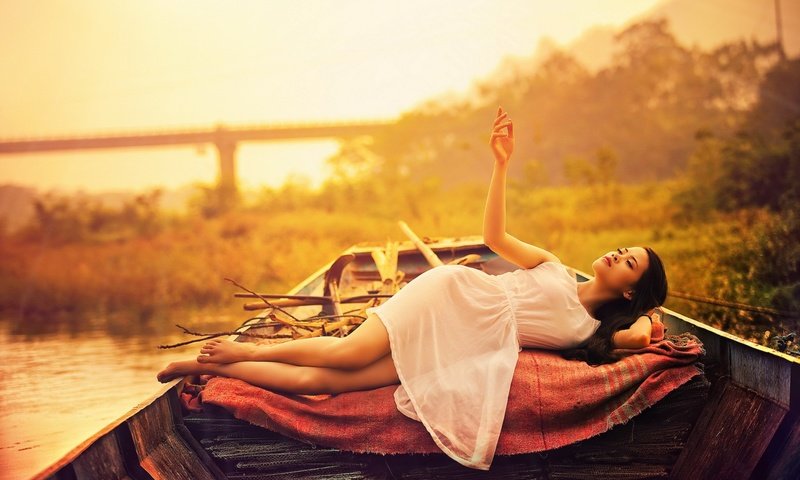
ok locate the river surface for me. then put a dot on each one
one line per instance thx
(61, 383)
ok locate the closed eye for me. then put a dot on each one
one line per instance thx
(630, 264)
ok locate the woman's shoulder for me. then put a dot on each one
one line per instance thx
(549, 263)
(568, 280)
(557, 267)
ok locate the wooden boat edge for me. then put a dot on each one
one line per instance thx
(74, 453)
(733, 354)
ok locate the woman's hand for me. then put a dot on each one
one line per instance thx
(658, 329)
(502, 143)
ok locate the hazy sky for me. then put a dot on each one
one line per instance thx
(99, 66)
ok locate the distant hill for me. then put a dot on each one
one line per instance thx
(711, 22)
(704, 23)
(626, 93)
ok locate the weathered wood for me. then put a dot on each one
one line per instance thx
(300, 300)
(336, 302)
(761, 371)
(334, 272)
(288, 302)
(645, 447)
(781, 461)
(102, 460)
(332, 278)
(63, 467)
(733, 431)
(180, 429)
(280, 295)
(327, 328)
(316, 298)
(161, 450)
(426, 251)
(386, 261)
(470, 258)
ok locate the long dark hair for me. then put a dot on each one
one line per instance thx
(649, 292)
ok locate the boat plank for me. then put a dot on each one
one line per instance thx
(731, 435)
(160, 448)
(781, 460)
(767, 374)
(645, 447)
(102, 460)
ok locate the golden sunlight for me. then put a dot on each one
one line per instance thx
(154, 154)
(107, 67)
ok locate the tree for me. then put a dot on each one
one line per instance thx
(778, 100)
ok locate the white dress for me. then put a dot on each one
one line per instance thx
(455, 334)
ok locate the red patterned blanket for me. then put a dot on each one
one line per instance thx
(552, 402)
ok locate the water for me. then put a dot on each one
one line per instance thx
(60, 387)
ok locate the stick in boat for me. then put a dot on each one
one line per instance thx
(427, 252)
(386, 261)
(317, 298)
(209, 336)
(262, 298)
(311, 300)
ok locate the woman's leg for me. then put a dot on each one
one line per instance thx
(361, 347)
(292, 378)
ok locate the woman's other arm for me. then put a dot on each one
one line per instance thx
(635, 336)
(494, 217)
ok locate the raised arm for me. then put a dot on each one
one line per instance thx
(494, 217)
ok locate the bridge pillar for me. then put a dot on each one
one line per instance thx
(227, 166)
(227, 184)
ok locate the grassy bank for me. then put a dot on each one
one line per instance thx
(271, 249)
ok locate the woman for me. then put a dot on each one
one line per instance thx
(452, 335)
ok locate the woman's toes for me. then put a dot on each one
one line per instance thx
(204, 358)
(177, 369)
(166, 374)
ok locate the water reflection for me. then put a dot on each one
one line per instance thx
(63, 380)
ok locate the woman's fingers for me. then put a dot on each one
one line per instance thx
(502, 125)
(495, 135)
(501, 122)
(496, 131)
(499, 133)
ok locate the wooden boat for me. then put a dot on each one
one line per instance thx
(739, 420)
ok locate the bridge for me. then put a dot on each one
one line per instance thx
(225, 138)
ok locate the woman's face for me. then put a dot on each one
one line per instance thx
(620, 269)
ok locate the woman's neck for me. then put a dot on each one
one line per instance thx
(592, 296)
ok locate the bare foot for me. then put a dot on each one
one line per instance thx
(226, 351)
(179, 369)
